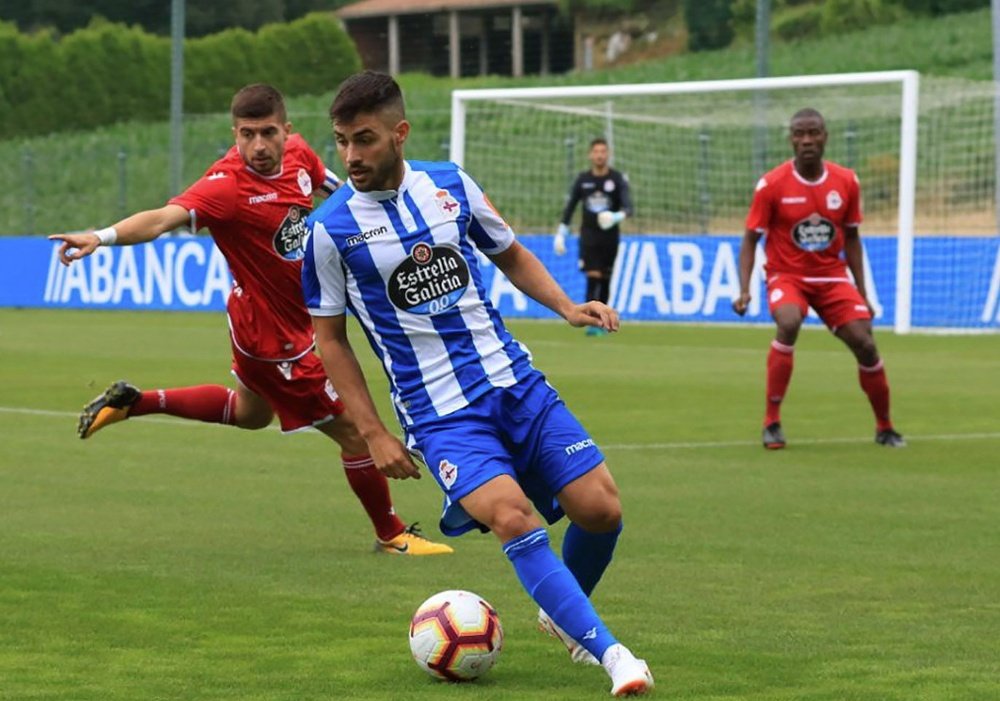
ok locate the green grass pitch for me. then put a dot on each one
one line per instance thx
(169, 560)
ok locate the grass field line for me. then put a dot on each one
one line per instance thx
(170, 421)
(660, 347)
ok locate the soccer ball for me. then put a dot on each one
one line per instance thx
(456, 635)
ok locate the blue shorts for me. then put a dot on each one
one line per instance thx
(524, 431)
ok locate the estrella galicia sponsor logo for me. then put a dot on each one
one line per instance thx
(365, 235)
(430, 281)
(578, 446)
(814, 233)
(291, 234)
(598, 202)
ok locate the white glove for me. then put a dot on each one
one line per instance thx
(607, 219)
(559, 241)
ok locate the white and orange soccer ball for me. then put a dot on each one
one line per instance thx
(456, 635)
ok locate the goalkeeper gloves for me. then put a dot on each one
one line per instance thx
(607, 219)
(559, 241)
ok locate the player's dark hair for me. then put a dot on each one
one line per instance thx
(600, 140)
(366, 92)
(258, 101)
(807, 112)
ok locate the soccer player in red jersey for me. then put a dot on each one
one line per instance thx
(810, 210)
(254, 201)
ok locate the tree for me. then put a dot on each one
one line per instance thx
(709, 23)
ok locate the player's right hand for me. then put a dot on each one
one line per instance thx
(391, 457)
(594, 313)
(559, 241)
(741, 303)
(76, 246)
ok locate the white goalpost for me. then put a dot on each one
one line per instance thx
(693, 150)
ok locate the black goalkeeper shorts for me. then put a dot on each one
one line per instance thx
(598, 251)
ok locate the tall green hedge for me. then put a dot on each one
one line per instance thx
(709, 23)
(110, 72)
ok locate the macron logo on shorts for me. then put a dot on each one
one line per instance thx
(578, 446)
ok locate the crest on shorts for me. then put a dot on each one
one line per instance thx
(448, 473)
(833, 200)
(305, 182)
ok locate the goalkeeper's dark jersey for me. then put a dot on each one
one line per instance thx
(598, 193)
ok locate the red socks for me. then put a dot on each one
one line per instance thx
(876, 386)
(211, 403)
(372, 490)
(780, 360)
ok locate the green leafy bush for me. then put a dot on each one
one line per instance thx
(709, 23)
(109, 73)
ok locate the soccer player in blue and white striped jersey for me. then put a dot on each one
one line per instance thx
(397, 245)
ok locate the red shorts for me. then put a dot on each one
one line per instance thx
(836, 301)
(297, 390)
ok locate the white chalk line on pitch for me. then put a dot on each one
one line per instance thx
(604, 446)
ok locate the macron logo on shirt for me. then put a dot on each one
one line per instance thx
(257, 199)
(216, 176)
(365, 235)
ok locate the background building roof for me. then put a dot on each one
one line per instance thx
(382, 8)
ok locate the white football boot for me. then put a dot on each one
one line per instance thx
(629, 676)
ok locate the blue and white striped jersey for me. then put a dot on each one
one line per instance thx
(405, 263)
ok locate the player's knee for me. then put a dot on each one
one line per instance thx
(598, 509)
(866, 352)
(788, 329)
(602, 516)
(513, 519)
(254, 422)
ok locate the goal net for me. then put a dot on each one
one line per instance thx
(693, 152)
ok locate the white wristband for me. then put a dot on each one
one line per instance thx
(107, 235)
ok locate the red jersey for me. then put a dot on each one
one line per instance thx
(258, 223)
(804, 221)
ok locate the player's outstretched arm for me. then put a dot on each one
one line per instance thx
(748, 253)
(531, 277)
(138, 228)
(342, 367)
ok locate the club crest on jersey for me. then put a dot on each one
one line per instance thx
(814, 233)
(609, 185)
(833, 200)
(448, 205)
(448, 473)
(430, 281)
(290, 236)
(305, 182)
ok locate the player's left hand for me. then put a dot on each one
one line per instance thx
(75, 246)
(594, 314)
(391, 457)
(741, 303)
(607, 219)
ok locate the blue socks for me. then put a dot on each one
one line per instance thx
(587, 555)
(556, 590)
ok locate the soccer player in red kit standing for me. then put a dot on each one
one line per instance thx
(254, 201)
(810, 210)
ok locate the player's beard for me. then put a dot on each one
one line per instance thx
(382, 176)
